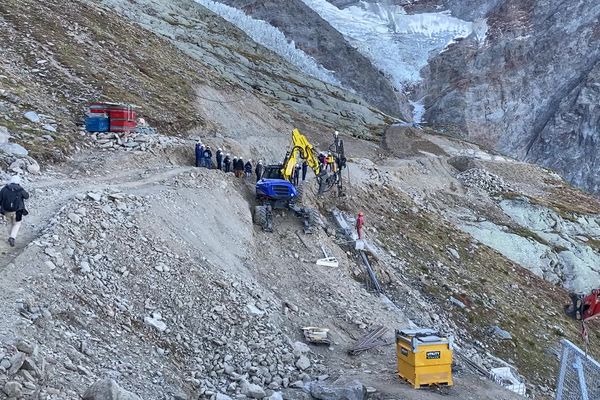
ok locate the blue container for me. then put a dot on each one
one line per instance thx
(96, 124)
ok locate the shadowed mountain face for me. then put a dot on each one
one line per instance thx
(320, 40)
(532, 91)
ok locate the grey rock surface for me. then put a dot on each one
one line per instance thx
(320, 40)
(108, 389)
(520, 95)
(339, 390)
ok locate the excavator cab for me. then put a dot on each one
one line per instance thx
(274, 188)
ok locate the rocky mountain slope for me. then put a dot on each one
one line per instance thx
(89, 53)
(520, 95)
(135, 267)
(505, 87)
(321, 41)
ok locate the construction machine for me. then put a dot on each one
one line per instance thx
(584, 307)
(275, 189)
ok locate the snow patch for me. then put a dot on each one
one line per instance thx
(418, 111)
(273, 39)
(397, 43)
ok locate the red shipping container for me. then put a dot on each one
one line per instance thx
(122, 117)
(122, 125)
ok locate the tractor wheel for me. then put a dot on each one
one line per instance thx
(260, 216)
(299, 194)
(313, 217)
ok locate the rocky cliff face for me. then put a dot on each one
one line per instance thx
(321, 41)
(464, 9)
(531, 91)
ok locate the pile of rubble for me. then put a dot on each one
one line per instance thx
(115, 303)
(14, 157)
(479, 178)
(141, 141)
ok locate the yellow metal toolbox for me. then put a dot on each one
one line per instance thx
(424, 358)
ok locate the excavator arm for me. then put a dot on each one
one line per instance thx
(301, 148)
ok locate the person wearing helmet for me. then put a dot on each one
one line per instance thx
(330, 162)
(296, 175)
(238, 167)
(360, 221)
(248, 168)
(12, 206)
(208, 157)
(234, 165)
(259, 170)
(219, 158)
(199, 154)
(227, 163)
(304, 170)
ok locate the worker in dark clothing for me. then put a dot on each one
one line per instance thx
(208, 157)
(259, 170)
(12, 206)
(304, 170)
(219, 158)
(296, 174)
(238, 168)
(360, 221)
(227, 163)
(248, 168)
(199, 154)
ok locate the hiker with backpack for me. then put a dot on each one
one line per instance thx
(12, 206)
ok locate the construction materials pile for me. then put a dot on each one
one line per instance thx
(479, 178)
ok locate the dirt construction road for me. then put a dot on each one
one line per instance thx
(176, 243)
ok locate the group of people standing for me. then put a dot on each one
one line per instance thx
(328, 161)
(224, 162)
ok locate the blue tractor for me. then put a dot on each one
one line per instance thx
(275, 190)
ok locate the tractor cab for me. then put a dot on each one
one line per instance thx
(272, 187)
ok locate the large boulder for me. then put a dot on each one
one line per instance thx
(25, 164)
(108, 389)
(252, 391)
(339, 390)
(13, 149)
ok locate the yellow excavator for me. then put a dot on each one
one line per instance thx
(275, 189)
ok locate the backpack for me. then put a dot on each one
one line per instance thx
(10, 200)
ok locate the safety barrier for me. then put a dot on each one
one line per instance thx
(579, 376)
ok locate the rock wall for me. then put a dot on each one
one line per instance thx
(321, 41)
(464, 9)
(531, 90)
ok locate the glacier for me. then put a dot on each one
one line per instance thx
(273, 39)
(397, 43)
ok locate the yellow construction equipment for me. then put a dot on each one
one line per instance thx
(300, 147)
(424, 358)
